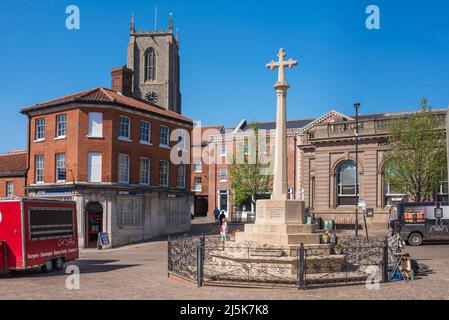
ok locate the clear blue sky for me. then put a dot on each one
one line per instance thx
(224, 48)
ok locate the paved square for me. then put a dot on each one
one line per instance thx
(140, 272)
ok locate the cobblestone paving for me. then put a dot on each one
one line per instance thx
(140, 272)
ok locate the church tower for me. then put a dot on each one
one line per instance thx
(153, 56)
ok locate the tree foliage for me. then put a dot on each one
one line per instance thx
(416, 160)
(250, 176)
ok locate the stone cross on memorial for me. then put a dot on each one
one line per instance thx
(280, 221)
(280, 156)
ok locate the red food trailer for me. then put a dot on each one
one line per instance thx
(37, 233)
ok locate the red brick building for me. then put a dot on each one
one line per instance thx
(13, 169)
(200, 167)
(112, 154)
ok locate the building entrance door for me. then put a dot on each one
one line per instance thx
(94, 224)
(223, 201)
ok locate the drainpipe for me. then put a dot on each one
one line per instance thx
(295, 166)
(28, 154)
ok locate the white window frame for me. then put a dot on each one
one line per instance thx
(129, 211)
(9, 189)
(61, 126)
(122, 156)
(198, 187)
(39, 170)
(223, 150)
(57, 167)
(198, 166)
(161, 144)
(164, 181)
(181, 176)
(40, 130)
(95, 125)
(128, 136)
(145, 171)
(225, 175)
(142, 122)
(90, 171)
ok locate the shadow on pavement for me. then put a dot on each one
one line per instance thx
(85, 266)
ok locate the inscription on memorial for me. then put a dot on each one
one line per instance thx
(270, 229)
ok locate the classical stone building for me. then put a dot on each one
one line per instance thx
(329, 168)
(321, 165)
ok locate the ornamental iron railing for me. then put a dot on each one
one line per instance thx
(249, 264)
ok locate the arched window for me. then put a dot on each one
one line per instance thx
(150, 65)
(346, 184)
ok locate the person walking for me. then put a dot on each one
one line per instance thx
(222, 216)
(224, 231)
(216, 214)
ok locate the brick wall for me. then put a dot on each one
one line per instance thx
(77, 146)
(18, 183)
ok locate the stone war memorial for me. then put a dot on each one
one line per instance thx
(280, 221)
(279, 248)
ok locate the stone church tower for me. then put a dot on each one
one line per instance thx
(153, 56)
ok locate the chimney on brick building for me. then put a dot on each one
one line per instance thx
(122, 80)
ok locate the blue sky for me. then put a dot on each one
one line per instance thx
(224, 48)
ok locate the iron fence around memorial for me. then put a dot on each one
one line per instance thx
(207, 262)
(183, 256)
(350, 261)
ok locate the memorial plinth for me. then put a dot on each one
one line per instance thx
(279, 222)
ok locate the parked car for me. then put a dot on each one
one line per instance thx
(418, 222)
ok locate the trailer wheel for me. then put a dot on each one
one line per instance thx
(48, 267)
(58, 264)
(415, 239)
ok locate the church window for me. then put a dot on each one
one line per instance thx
(150, 65)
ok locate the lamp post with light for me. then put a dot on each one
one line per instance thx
(357, 107)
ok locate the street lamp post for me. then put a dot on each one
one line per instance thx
(357, 107)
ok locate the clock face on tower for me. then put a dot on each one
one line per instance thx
(151, 97)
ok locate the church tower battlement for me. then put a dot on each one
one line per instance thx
(153, 56)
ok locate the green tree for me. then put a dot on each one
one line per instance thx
(249, 176)
(417, 157)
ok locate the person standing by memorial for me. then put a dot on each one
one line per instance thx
(223, 230)
(222, 217)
